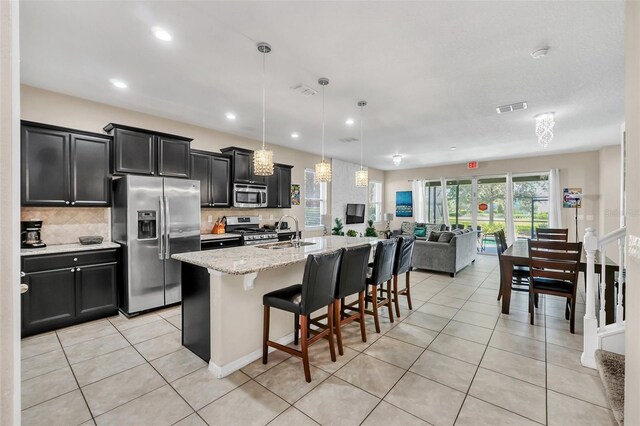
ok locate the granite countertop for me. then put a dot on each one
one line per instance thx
(249, 259)
(68, 248)
(206, 237)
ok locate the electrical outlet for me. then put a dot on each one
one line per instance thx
(580, 217)
(210, 219)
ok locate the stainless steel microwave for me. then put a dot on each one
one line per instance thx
(249, 196)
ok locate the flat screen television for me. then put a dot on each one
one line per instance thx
(355, 213)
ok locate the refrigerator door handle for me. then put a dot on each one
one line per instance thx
(161, 228)
(167, 223)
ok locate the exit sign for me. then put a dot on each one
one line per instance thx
(472, 165)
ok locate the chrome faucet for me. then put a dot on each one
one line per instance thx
(296, 241)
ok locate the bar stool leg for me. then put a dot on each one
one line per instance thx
(265, 335)
(390, 300)
(395, 295)
(338, 320)
(305, 348)
(296, 329)
(408, 287)
(363, 331)
(374, 302)
(330, 323)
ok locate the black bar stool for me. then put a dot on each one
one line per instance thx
(381, 272)
(402, 265)
(316, 291)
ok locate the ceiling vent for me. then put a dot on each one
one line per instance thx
(304, 90)
(348, 139)
(511, 108)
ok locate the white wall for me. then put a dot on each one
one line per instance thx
(345, 191)
(610, 195)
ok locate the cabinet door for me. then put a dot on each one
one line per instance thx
(49, 302)
(90, 177)
(173, 157)
(284, 187)
(272, 189)
(96, 290)
(45, 167)
(220, 177)
(201, 170)
(242, 167)
(134, 152)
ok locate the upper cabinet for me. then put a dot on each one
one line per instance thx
(214, 173)
(64, 167)
(279, 187)
(242, 166)
(145, 152)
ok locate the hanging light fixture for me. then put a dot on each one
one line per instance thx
(544, 128)
(362, 175)
(323, 168)
(263, 158)
(397, 159)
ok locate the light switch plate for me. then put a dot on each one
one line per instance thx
(580, 217)
(210, 219)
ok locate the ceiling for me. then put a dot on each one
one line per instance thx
(431, 72)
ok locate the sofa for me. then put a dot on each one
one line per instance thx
(408, 228)
(446, 251)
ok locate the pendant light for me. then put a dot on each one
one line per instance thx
(362, 175)
(263, 158)
(323, 168)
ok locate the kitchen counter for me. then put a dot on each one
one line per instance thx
(207, 237)
(251, 259)
(68, 248)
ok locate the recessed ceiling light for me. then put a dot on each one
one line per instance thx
(349, 122)
(295, 135)
(162, 34)
(397, 159)
(453, 148)
(118, 83)
(230, 116)
(540, 53)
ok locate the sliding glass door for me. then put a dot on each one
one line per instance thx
(433, 201)
(530, 204)
(459, 202)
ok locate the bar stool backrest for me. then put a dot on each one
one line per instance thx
(383, 261)
(319, 281)
(553, 234)
(352, 276)
(404, 253)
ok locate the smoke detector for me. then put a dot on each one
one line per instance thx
(518, 106)
(304, 90)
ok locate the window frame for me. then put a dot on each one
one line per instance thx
(322, 200)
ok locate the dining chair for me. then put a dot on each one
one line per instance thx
(554, 267)
(552, 234)
(520, 274)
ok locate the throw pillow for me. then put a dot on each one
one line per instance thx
(432, 227)
(434, 236)
(408, 228)
(420, 232)
(446, 237)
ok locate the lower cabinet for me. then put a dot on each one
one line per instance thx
(68, 289)
(219, 243)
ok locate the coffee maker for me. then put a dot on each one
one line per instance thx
(30, 234)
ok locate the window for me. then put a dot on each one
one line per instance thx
(459, 202)
(375, 201)
(433, 201)
(315, 199)
(530, 204)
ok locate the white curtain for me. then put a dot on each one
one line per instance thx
(508, 211)
(555, 199)
(445, 204)
(419, 213)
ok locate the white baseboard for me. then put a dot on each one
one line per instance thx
(225, 370)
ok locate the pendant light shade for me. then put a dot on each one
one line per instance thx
(362, 175)
(323, 168)
(263, 158)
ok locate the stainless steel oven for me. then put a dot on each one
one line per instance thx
(251, 196)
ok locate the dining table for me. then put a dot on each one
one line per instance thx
(518, 255)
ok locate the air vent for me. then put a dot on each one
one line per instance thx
(512, 107)
(348, 139)
(304, 90)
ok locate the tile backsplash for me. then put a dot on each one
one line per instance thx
(63, 225)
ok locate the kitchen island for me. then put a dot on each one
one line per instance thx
(222, 297)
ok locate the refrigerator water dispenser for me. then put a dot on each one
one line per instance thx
(146, 224)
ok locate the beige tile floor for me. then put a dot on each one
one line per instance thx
(453, 359)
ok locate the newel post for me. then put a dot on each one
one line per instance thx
(590, 320)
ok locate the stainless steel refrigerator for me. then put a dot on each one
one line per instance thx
(153, 218)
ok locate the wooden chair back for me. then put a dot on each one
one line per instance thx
(555, 260)
(552, 234)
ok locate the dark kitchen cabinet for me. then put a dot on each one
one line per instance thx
(220, 243)
(214, 173)
(242, 166)
(279, 187)
(146, 152)
(67, 289)
(64, 167)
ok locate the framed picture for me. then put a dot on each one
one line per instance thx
(404, 204)
(572, 198)
(295, 194)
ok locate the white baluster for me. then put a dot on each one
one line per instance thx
(603, 286)
(621, 280)
(590, 320)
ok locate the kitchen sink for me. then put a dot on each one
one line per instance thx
(283, 245)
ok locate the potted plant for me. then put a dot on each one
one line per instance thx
(337, 230)
(352, 233)
(371, 230)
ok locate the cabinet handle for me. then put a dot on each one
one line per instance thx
(66, 202)
(152, 173)
(75, 259)
(73, 269)
(77, 269)
(73, 203)
(22, 274)
(24, 288)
